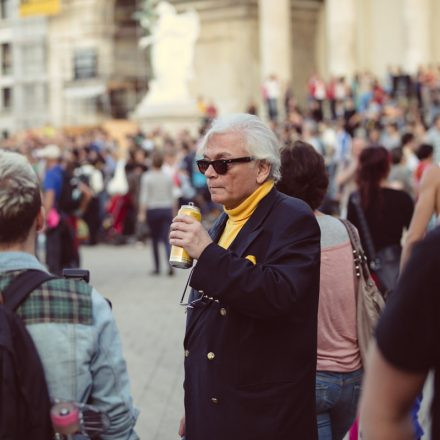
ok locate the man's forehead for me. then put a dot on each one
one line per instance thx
(225, 145)
(217, 154)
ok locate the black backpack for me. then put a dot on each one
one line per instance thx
(71, 195)
(24, 397)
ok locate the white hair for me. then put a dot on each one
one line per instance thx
(19, 189)
(261, 141)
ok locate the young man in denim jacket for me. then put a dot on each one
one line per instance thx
(71, 324)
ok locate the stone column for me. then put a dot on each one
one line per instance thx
(341, 36)
(417, 31)
(275, 47)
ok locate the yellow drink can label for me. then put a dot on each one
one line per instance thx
(178, 256)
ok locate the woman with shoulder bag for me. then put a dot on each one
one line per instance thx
(381, 214)
(345, 318)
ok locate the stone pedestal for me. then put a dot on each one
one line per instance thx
(168, 103)
(172, 117)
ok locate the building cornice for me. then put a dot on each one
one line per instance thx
(220, 10)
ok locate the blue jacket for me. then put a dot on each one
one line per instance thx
(250, 343)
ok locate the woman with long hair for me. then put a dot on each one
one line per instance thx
(387, 211)
(339, 363)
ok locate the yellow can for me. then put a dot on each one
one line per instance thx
(179, 257)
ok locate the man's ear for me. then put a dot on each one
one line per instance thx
(264, 168)
(41, 219)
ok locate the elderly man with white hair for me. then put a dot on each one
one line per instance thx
(250, 343)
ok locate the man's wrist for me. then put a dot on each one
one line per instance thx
(205, 249)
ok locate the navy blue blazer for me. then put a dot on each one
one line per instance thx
(250, 343)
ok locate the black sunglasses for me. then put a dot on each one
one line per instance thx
(202, 299)
(220, 165)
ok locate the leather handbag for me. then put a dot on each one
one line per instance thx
(384, 263)
(369, 300)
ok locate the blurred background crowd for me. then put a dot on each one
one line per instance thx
(341, 118)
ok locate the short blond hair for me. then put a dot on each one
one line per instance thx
(20, 197)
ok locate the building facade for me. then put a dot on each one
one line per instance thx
(23, 61)
(80, 63)
(243, 41)
(96, 68)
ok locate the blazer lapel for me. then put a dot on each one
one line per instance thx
(252, 228)
(217, 228)
(215, 232)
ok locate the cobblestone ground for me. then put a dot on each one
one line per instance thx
(152, 325)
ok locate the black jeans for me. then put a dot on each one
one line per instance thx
(159, 222)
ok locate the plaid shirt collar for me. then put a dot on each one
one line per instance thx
(55, 301)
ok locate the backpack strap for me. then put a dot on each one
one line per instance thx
(21, 286)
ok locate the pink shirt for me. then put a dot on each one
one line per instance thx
(338, 348)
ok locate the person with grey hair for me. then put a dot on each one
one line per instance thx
(70, 323)
(261, 142)
(250, 343)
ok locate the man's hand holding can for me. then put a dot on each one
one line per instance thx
(188, 233)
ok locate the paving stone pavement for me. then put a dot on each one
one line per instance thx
(151, 324)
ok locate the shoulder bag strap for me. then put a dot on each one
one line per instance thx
(360, 258)
(21, 286)
(364, 226)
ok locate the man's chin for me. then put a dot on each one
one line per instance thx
(217, 199)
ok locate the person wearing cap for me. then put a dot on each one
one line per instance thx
(251, 335)
(52, 186)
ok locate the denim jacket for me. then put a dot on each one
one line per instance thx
(83, 363)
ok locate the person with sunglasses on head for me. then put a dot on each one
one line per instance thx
(250, 342)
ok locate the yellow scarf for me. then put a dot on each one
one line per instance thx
(240, 215)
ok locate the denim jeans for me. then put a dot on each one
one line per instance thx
(337, 396)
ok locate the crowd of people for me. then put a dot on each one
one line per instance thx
(341, 118)
(272, 344)
(95, 191)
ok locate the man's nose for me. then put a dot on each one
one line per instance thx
(210, 172)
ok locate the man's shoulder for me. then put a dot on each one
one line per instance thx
(288, 203)
(59, 300)
(57, 170)
(53, 177)
(289, 212)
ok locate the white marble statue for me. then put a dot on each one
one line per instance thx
(173, 38)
